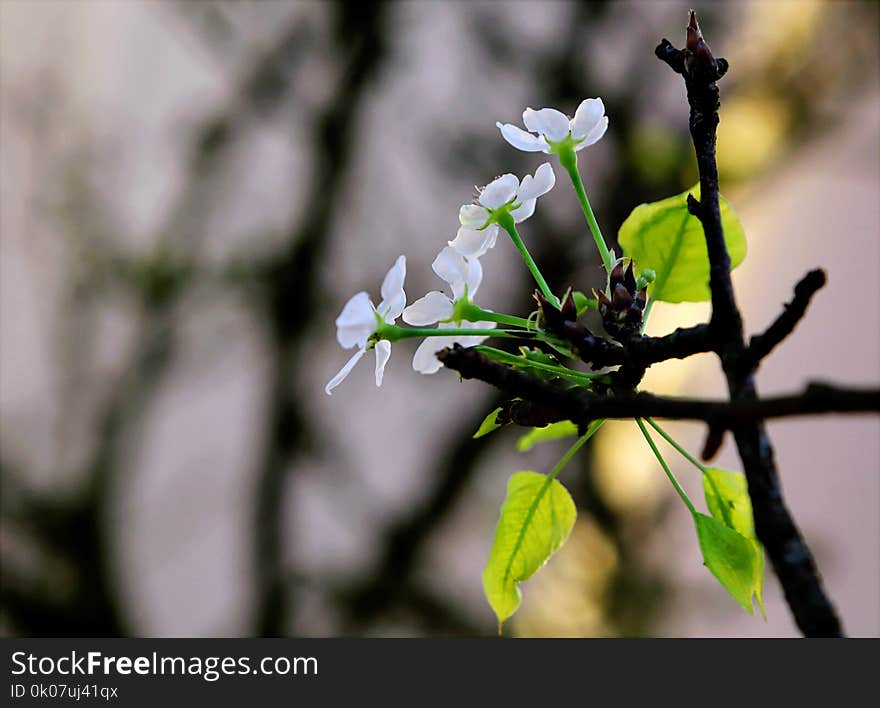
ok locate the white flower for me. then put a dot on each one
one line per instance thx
(464, 276)
(359, 319)
(477, 233)
(549, 126)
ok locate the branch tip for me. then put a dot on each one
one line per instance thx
(714, 441)
(760, 345)
(694, 35)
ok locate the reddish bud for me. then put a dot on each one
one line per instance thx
(568, 307)
(620, 298)
(629, 278)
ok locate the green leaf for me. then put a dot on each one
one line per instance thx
(536, 519)
(665, 237)
(541, 360)
(759, 578)
(554, 431)
(583, 303)
(727, 496)
(731, 557)
(489, 424)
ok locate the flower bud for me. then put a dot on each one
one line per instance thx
(646, 277)
(622, 306)
(568, 308)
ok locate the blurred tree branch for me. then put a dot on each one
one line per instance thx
(290, 295)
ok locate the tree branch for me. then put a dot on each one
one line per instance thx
(582, 406)
(634, 353)
(761, 345)
(642, 351)
(774, 525)
(290, 296)
(685, 341)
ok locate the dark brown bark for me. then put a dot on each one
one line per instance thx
(582, 406)
(774, 524)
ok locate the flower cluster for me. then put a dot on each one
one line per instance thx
(503, 203)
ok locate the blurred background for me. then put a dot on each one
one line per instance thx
(191, 190)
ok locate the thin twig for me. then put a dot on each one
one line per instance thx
(760, 345)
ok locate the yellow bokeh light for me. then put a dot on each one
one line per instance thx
(751, 135)
(566, 599)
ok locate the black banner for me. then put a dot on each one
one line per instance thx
(269, 672)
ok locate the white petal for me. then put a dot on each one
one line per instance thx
(394, 278)
(586, 117)
(356, 322)
(424, 360)
(473, 243)
(344, 371)
(521, 140)
(479, 325)
(393, 296)
(525, 210)
(548, 122)
(474, 276)
(532, 120)
(450, 265)
(383, 351)
(499, 191)
(473, 216)
(357, 309)
(539, 185)
(349, 337)
(391, 309)
(472, 341)
(476, 339)
(431, 308)
(471, 282)
(595, 134)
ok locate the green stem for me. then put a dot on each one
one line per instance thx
(393, 333)
(505, 221)
(472, 313)
(645, 315)
(568, 158)
(579, 377)
(684, 453)
(694, 461)
(678, 488)
(572, 451)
